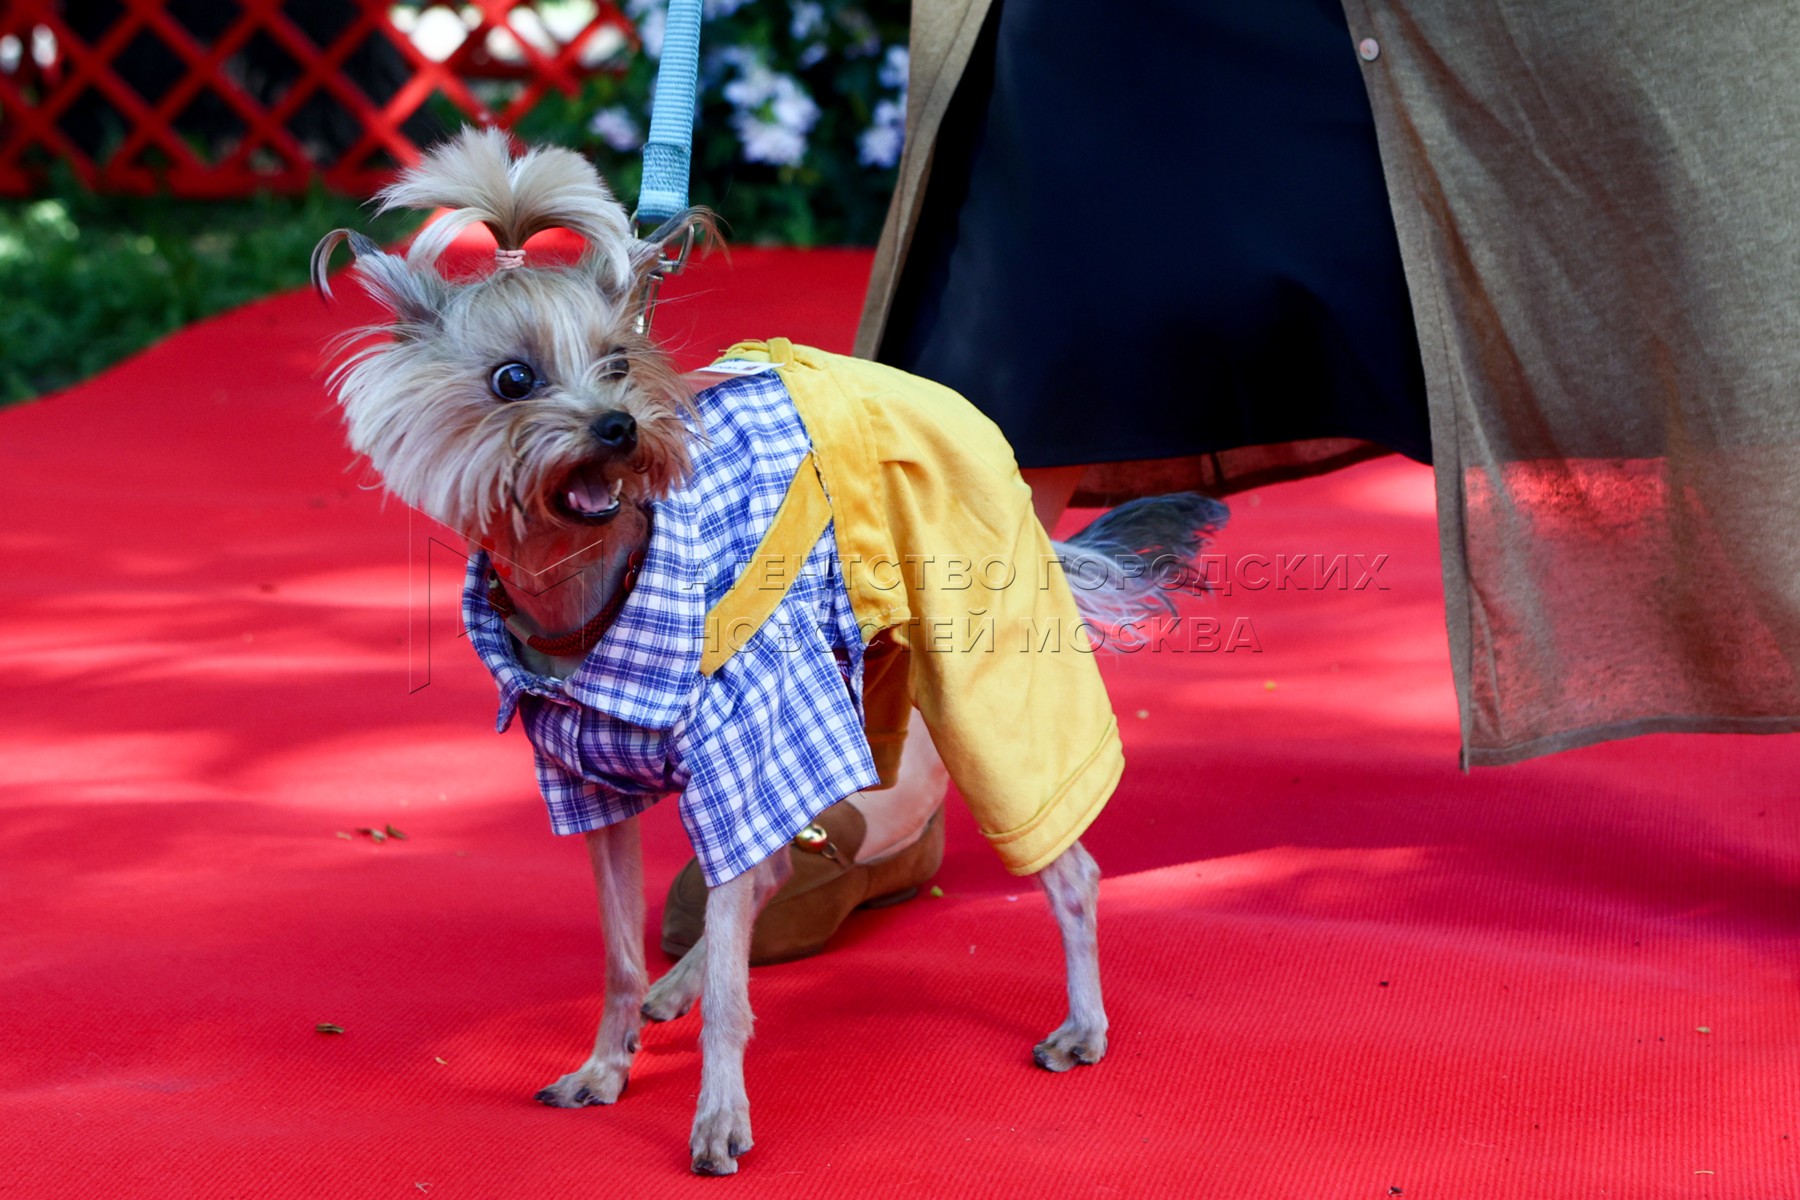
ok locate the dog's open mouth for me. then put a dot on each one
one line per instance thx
(588, 497)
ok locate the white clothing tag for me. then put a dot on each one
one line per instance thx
(733, 367)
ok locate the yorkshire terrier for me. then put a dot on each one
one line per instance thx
(735, 587)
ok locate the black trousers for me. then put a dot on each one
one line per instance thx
(1159, 229)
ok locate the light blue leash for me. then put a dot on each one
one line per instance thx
(668, 150)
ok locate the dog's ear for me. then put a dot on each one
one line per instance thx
(415, 297)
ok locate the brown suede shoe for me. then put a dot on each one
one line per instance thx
(827, 884)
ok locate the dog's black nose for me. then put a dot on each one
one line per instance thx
(615, 430)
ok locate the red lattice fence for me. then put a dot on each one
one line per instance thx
(225, 97)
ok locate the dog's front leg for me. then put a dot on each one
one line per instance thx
(722, 1121)
(1072, 885)
(617, 856)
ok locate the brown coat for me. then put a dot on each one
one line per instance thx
(1599, 213)
(943, 36)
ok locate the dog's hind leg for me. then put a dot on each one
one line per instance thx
(679, 988)
(1072, 885)
(617, 856)
(722, 1120)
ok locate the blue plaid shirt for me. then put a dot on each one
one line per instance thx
(760, 747)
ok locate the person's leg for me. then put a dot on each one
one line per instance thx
(895, 817)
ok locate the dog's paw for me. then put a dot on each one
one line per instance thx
(719, 1138)
(672, 995)
(1072, 1045)
(594, 1083)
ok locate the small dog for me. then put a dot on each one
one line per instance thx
(605, 497)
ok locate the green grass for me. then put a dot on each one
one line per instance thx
(86, 280)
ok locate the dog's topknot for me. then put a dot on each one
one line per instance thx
(478, 178)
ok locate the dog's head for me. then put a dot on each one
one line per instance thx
(525, 403)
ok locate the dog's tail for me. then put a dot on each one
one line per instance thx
(1131, 563)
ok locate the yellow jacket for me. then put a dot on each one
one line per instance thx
(963, 607)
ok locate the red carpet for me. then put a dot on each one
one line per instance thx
(1335, 966)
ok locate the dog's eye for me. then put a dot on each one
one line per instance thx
(513, 381)
(616, 365)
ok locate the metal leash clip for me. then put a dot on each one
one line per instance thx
(666, 265)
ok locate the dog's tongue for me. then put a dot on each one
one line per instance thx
(590, 497)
